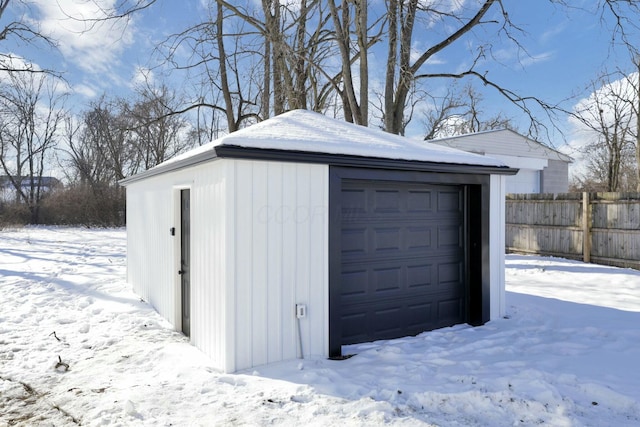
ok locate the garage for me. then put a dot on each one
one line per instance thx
(402, 259)
(408, 252)
(302, 234)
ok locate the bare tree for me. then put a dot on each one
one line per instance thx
(461, 112)
(102, 151)
(630, 97)
(263, 58)
(16, 27)
(294, 42)
(609, 118)
(88, 160)
(228, 80)
(401, 71)
(355, 96)
(625, 19)
(634, 82)
(31, 111)
(157, 134)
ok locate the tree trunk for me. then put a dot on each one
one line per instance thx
(265, 105)
(363, 43)
(351, 110)
(271, 9)
(299, 69)
(401, 17)
(390, 74)
(224, 80)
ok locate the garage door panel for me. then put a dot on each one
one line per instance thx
(355, 283)
(354, 327)
(389, 321)
(373, 324)
(449, 236)
(449, 201)
(449, 274)
(386, 280)
(372, 254)
(397, 318)
(368, 284)
(418, 237)
(406, 257)
(396, 243)
(370, 217)
(386, 239)
(419, 276)
(449, 311)
(386, 201)
(420, 317)
(354, 240)
(402, 273)
(418, 201)
(353, 201)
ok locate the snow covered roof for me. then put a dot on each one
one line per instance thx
(307, 132)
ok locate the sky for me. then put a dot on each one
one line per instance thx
(564, 48)
(76, 344)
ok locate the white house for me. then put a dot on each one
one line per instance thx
(541, 169)
(301, 234)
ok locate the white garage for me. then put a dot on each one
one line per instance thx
(302, 234)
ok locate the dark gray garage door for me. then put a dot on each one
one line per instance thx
(402, 259)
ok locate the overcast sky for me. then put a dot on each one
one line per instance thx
(565, 49)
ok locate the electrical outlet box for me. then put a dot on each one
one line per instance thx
(301, 311)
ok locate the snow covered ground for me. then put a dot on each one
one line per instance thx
(78, 347)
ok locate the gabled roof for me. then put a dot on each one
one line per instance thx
(502, 142)
(306, 136)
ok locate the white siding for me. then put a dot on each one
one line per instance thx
(525, 181)
(496, 245)
(280, 234)
(153, 255)
(150, 247)
(505, 142)
(210, 278)
(259, 243)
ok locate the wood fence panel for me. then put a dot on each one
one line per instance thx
(552, 224)
(616, 244)
(544, 212)
(557, 241)
(622, 215)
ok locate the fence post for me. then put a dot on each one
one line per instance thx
(586, 228)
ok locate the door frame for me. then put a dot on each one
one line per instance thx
(176, 233)
(476, 190)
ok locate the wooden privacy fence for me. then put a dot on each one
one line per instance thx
(603, 228)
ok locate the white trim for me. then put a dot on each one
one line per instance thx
(497, 246)
(522, 162)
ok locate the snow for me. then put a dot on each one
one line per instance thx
(77, 346)
(310, 132)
